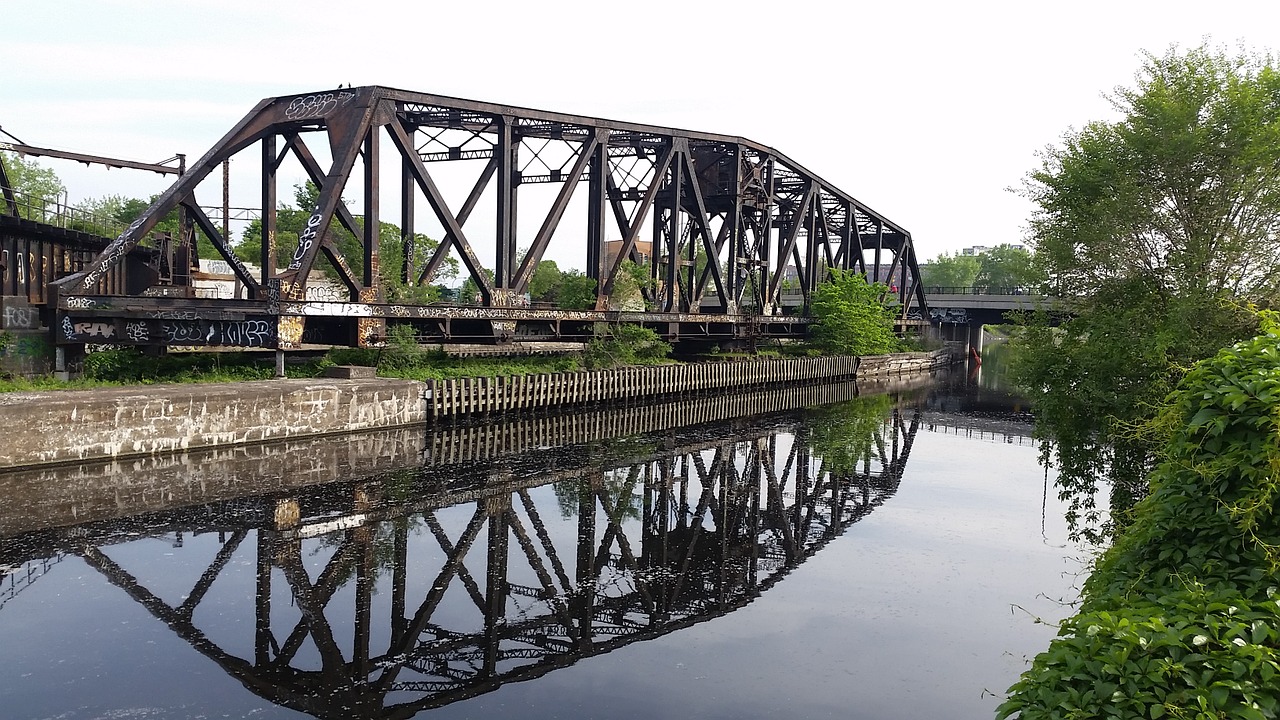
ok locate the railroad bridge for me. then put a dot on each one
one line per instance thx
(720, 225)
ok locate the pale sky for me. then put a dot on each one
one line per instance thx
(928, 112)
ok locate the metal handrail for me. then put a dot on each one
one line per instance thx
(976, 290)
(57, 213)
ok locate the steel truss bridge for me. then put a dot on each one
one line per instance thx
(734, 235)
(461, 586)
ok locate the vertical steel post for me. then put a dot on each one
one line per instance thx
(505, 252)
(372, 222)
(879, 248)
(672, 229)
(226, 199)
(733, 220)
(269, 166)
(597, 212)
(408, 241)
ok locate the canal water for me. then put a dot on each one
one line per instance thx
(881, 552)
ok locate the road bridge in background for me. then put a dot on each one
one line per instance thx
(961, 312)
(719, 224)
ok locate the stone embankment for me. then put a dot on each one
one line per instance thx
(71, 426)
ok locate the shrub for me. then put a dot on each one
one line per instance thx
(625, 345)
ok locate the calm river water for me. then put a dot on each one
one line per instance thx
(885, 556)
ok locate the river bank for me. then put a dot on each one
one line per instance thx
(79, 425)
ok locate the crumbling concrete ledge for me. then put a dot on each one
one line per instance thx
(75, 425)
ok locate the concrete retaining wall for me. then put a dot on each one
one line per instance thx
(69, 426)
(75, 425)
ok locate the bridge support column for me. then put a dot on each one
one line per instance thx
(975, 340)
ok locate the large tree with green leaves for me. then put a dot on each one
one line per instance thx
(948, 270)
(1006, 267)
(1157, 229)
(32, 178)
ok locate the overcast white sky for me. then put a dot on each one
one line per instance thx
(926, 111)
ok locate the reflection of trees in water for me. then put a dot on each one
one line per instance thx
(665, 532)
(619, 484)
(843, 435)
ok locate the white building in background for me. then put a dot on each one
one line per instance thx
(980, 249)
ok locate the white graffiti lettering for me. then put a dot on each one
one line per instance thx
(241, 333)
(137, 331)
(317, 105)
(21, 317)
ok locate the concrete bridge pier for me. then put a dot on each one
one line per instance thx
(974, 340)
(963, 336)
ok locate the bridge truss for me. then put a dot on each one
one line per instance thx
(723, 228)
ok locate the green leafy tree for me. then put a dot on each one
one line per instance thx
(576, 291)
(949, 270)
(629, 286)
(1157, 229)
(546, 280)
(469, 293)
(1006, 267)
(31, 178)
(292, 219)
(854, 317)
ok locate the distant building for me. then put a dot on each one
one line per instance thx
(980, 249)
(644, 251)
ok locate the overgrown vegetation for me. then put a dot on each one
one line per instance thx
(843, 435)
(854, 317)
(1181, 617)
(625, 345)
(404, 358)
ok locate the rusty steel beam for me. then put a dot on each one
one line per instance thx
(117, 163)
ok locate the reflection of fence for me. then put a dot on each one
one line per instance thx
(989, 429)
(20, 577)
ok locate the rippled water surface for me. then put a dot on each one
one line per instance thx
(886, 556)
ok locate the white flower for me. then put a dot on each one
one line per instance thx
(1199, 640)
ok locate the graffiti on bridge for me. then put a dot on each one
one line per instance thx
(186, 332)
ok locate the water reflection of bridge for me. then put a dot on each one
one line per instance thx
(497, 569)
